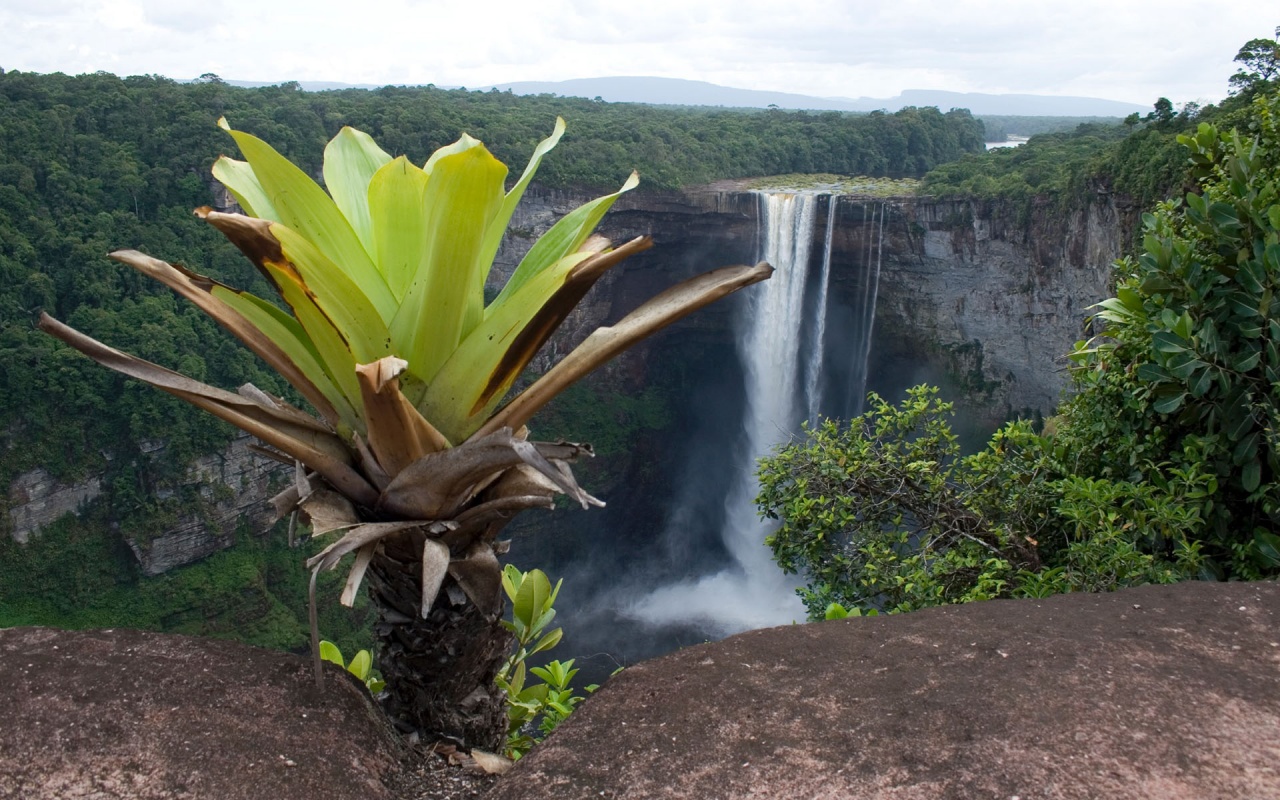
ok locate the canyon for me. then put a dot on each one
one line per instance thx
(982, 299)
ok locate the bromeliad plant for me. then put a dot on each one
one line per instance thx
(415, 458)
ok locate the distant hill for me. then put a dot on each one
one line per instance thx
(680, 92)
(675, 91)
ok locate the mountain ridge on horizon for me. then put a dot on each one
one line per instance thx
(685, 92)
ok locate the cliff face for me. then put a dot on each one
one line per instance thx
(975, 297)
(981, 299)
(228, 489)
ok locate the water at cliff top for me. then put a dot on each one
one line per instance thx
(780, 339)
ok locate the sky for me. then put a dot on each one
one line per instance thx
(1129, 50)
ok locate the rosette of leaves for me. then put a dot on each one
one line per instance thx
(416, 456)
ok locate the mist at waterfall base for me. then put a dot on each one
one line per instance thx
(798, 356)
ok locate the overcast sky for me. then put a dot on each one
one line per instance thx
(1131, 50)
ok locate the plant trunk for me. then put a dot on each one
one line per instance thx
(439, 670)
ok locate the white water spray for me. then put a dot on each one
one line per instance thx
(774, 330)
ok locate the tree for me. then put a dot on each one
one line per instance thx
(1193, 338)
(1259, 61)
(414, 459)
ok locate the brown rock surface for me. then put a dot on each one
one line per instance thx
(1158, 692)
(118, 713)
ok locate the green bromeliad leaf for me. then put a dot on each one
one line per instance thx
(498, 228)
(301, 205)
(395, 203)
(350, 160)
(473, 380)
(352, 311)
(243, 184)
(445, 299)
(566, 236)
(290, 337)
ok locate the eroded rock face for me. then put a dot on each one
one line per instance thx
(107, 714)
(37, 499)
(1162, 691)
(236, 486)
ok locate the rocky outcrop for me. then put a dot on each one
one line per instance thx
(1162, 691)
(104, 714)
(231, 488)
(36, 499)
(235, 486)
(993, 297)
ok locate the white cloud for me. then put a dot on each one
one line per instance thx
(1134, 51)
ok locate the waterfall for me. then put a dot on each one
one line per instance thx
(780, 337)
(865, 311)
(813, 367)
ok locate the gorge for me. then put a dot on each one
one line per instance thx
(982, 299)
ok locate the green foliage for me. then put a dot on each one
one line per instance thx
(1140, 160)
(77, 573)
(837, 611)
(1259, 61)
(885, 513)
(882, 513)
(361, 665)
(534, 710)
(1188, 361)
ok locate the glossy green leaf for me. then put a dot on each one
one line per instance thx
(446, 297)
(549, 641)
(1248, 359)
(511, 579)
(1201, 382)
(1152, 373)
(330, 652)
(350, 160)
(532, 597)
(1267, 546)
(1252, 276)
(361, 664)
(1251, 475)
(1169, 342)
(1246, 449)
(303, 206)
(397, 193)
(1170, 403)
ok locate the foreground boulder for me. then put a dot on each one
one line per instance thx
(118, 713)
(1163, 691)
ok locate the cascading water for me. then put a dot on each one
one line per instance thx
(865, 311)
(780, 343)
(813, 368)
